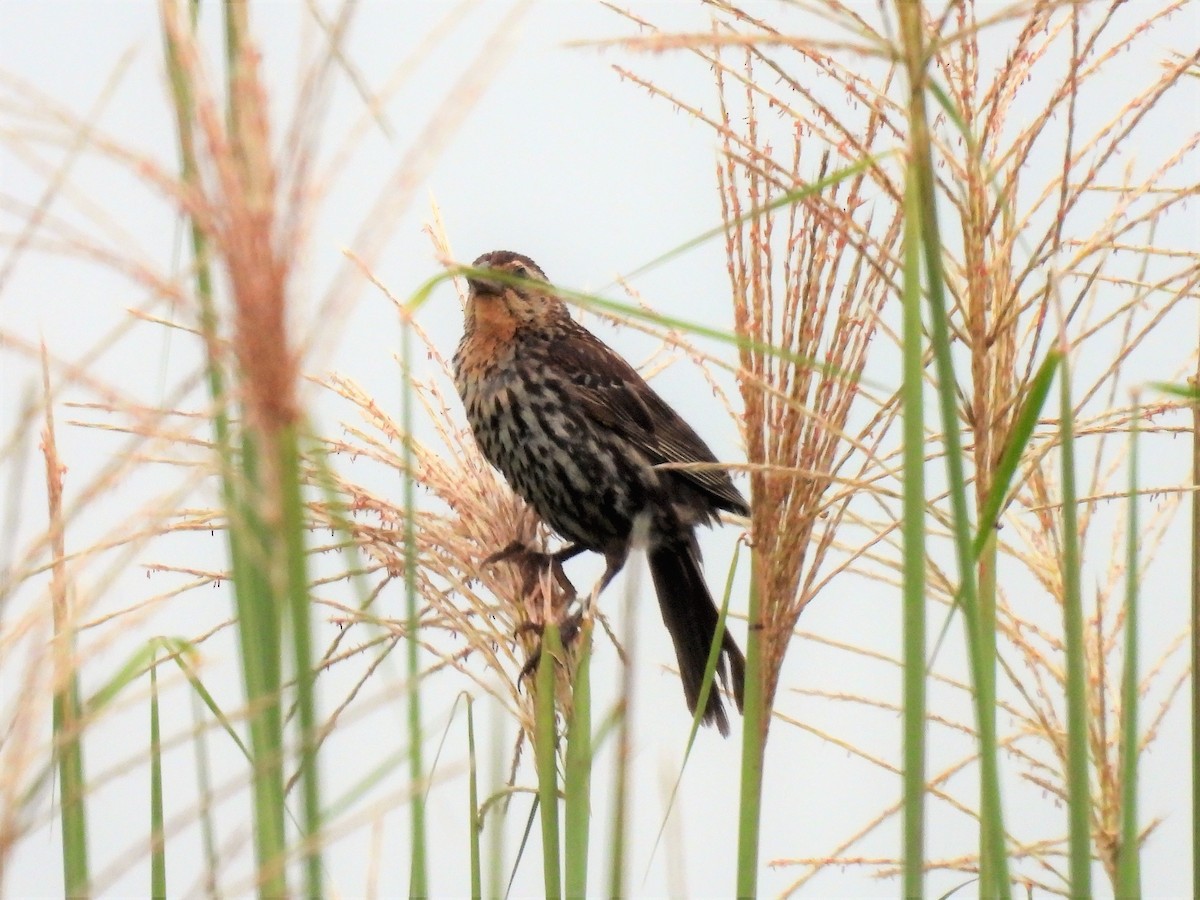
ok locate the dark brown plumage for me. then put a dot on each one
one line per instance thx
(578, 434)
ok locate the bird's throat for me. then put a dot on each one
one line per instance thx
(490, 330)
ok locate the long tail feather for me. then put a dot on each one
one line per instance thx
(691, 616)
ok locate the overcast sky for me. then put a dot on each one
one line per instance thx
(555, 156)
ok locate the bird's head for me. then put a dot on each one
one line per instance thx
(520, 294)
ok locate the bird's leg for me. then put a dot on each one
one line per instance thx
(613, 563)
(533, 562)
(516, 548)
(568, 630)
(572, 624)
(533, 565)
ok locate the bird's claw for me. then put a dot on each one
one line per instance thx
(514, 548)
(568, 631)
(534, 563)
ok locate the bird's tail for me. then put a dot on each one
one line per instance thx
(691, 617)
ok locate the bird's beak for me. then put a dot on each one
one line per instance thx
(483, 286)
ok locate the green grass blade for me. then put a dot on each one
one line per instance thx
(258, 625)
(788, 198)
(204, 805)
(496, 827)
(545, 740)
(754, 731)
(594, 302)
(66, 710)
(1196, 635)
(1078, 800)
(73, 808)
(1129, 880)
(365, 783)
(577, 778)
(299, 606)
(621, 720)
(994, 879)
(533, 809)
(702, 701)
(158, 856)
(209, 701)
(418, 885)
(258, 631)
(1005, 473)
(260, 598)
(708, 682)
(914, 556)
(1014, 449)
(1189, 392)
(473, 804)
(139, 662)
(984, 654)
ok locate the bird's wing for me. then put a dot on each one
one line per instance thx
(614, 395)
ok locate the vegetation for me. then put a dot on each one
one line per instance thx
(960, 313)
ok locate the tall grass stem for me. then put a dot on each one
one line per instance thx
(914, 553)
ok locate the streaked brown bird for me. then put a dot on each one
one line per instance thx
(578, 434)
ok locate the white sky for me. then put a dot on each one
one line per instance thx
(564, 161)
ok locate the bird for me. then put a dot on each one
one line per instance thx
(579, 435)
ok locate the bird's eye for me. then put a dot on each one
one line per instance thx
(520, 271)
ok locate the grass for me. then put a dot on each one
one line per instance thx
(928, 222)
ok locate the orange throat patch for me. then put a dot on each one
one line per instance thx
(490, 330)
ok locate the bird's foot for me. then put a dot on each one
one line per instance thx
(532, 564)
(568, 631)
(515, 548)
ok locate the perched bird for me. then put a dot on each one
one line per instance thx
(578, 434)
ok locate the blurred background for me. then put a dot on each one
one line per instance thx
(535, 127)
